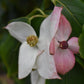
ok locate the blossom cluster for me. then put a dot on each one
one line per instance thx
(49, 55)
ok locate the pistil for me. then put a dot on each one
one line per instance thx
(63, 45)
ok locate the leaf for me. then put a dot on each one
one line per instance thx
(81, 43)
(73, 10)
(80, 61)
(23, 19)
(46, 4)
(22, 81)
(9, 53)
(75, 76)
(36, 22)
(82, 1)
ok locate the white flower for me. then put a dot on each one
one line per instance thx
(36, 57)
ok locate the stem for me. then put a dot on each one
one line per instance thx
(32, 14)
(46, 4)
(54, 2)
(35, 17)
(35, 10)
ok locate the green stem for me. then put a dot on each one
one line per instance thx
(35, 17)
(54, 2)
(33, 14)
(36, 10)
(46, 4)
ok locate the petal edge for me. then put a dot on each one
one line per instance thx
(73, 45)
(26, 59)
(20, 30)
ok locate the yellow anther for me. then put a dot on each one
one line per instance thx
(32, 40)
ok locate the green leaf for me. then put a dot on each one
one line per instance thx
(22, 81)
(75, 76)
(82, 1)
(46, 4)
(73, 10)
(36, 22)
(81, 43)
(9, 53)
(23, 19)
(80, 61)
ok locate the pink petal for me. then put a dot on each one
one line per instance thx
(64, 29)
(64, 60)
(73, 44)
(53, 45)
(50, 24)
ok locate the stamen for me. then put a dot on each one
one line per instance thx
(63, 45)
(32, 40)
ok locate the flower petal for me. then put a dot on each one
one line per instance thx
(45, 63)
(64, 60)
(50, 24)
(26, 59)
(53, 45)
(64, 29)
(20, 30)
(36, 78)
(73, 45)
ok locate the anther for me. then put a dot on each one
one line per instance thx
(32, 40)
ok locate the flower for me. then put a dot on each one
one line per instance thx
(62, 50)
(34, 52)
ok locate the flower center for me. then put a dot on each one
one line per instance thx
(63, 45)
(32, 40)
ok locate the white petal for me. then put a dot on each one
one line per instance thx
(36, 78)
(50, 25)
(20, 30)
(27, 58)
(45, 62)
